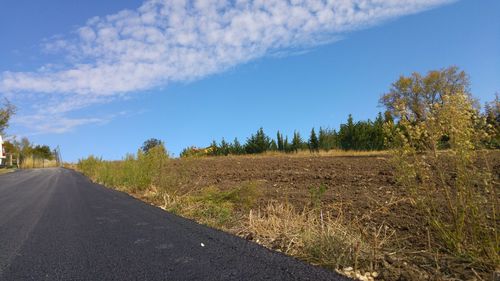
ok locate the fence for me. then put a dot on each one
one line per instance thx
(32, 162)
(11, 160)
(14, 160)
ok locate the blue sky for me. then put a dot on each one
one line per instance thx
(95, 79)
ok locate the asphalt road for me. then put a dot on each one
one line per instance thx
(57, 225)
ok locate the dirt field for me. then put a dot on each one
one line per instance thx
(361, 185)
(362, 188)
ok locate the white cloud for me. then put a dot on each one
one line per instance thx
(165, 41)
(42, 123)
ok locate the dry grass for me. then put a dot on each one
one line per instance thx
(322, 153)
(335, 153)
(320, 237)
(311, 234)
(214, 207)
(317, 237)
(30, 163)
(5, 170)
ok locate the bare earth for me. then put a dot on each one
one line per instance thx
(363, 188)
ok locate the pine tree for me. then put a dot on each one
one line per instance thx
(377, 135)
(237, 148)
(258, 143)
(224, 148)
(273, 146)
(296, 141)
(328, 139)
(313, 142)
(322, 139)
(280, 143)
(347, 133)
(286, 146)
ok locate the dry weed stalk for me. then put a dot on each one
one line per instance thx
(313, 235)
(465, 225)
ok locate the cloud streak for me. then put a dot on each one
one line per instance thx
(166, 41)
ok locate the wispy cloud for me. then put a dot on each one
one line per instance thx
(43, 123)
(165, 41)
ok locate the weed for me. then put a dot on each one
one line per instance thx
(324, 240)
(317, 194)
(466, 226)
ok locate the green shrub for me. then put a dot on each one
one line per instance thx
(133, 173)
(458, 196)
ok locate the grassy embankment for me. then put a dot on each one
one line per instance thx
(313, 231)
(308, 232)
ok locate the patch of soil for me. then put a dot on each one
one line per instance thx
(363, 187)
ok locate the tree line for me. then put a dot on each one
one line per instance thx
(25, 149)
(360, 135)
(411, 98)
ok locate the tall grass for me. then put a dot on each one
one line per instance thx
(458, 195)
(134, 173)
(222, 209)
(319, 238)
(30, 163)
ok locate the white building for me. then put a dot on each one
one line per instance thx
(2, 152)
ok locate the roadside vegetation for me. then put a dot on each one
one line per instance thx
(5, 171)
(421, 204)
(23, 153)
(28, 155)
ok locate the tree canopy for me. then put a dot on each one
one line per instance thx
(413, 96)
(7, 110)
(150, 143)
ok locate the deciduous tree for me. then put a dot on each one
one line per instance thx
(149, 144)
(7, 110)
(412, 97)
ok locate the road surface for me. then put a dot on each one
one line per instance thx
(57, 225)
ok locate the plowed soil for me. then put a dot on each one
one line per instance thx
(363, 188)
(361, 185)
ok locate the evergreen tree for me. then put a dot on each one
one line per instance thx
(322, 139)
(377, 135)
(224, 148)
(297, 141)
(328, 139)
(286, 146)
(237, 148)
(346, 134)
(280, 143)
(313, 142)
(258, 143)
(273, 146)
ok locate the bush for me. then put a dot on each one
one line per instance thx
(133, 173)
(466, 224)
